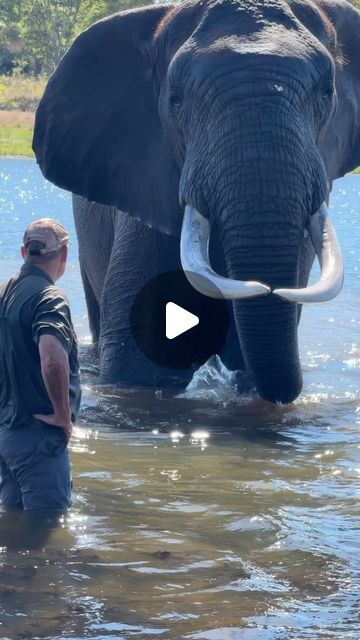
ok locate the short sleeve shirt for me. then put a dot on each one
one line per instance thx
(30, 306)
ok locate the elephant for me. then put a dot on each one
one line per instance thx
(206, 136)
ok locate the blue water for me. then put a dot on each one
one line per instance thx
(206, 516)
(24, 196)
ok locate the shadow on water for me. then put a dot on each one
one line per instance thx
(20, 531)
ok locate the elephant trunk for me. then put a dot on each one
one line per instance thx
(267, 331)
(267, 326)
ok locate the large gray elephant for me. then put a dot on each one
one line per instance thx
(214, 121)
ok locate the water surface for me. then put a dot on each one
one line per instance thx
(205, 516)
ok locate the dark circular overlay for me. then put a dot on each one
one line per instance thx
(191, 348)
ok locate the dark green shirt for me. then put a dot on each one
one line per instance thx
(31, 305)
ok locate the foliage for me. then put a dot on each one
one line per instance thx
(36, 33)
(9, 34)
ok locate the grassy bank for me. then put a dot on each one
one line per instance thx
(19, 97)
(16, 128)
(20, 93)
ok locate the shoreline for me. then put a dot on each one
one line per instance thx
(5, 156)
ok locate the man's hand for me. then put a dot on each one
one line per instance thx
(57, 421)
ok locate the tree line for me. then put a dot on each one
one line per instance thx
(34, 34)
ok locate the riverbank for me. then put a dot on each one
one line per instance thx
(19, 97)
(16, 129)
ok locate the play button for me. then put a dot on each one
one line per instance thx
(175, 326)
(178, 320)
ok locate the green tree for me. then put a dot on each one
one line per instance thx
(10, 45)
(48, 27)
(91, 11)
(38, 32)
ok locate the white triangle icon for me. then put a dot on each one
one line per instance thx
(178, 320)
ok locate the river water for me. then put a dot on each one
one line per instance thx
(203, 516)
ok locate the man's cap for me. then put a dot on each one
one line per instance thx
(49, 233)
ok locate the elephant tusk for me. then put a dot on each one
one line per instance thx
(194, 252)
(326, 245)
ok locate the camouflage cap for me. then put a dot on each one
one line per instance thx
(49, 233)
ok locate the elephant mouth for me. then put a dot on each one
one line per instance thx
(194, 251)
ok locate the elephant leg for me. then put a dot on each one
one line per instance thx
(93, 308)
(94, 224)
(138, 255)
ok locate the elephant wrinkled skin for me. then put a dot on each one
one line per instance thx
(245, 110)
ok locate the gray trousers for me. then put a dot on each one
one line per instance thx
(34, 468)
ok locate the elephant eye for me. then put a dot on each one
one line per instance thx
(327, 92)
(176, 100)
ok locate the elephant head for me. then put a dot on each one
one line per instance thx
(221, 118)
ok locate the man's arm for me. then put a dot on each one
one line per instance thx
(55, 372)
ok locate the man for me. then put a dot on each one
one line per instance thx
(39, 375)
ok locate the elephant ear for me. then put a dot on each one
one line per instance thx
(97, 130)
(341, 141)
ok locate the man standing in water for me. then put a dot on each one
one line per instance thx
(39, 376)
